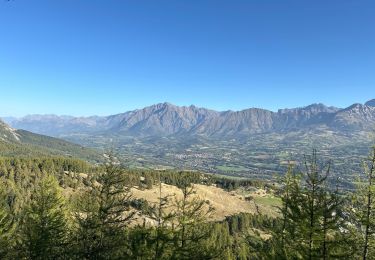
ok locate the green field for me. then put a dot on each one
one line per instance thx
(231, 168)
(268, 201)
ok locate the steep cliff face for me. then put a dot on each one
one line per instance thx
(355, 117)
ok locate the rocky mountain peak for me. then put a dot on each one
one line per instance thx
(370, 103)
(165, 119)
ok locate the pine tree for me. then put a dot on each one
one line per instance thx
(311, 215)
(364, 209)
(6, 225)
(44, 228)
(288, 239)
(291, 212)
(190, 228)
(335, 238)
(140, 243)
(219, 242)
(163, 218)
(315, 193)
(103, 214)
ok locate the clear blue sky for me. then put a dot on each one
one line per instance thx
(85, 57)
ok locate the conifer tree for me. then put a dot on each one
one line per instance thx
(335, 238)
(364, 209)
(315, 179)
(311, 215)
(219, 242)
(190, 229)
(103, 214)
(6, 225)
(140, 243)
(291, 212)
(44, 228)
(287, 239)
(163, 218)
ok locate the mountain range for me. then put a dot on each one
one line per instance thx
(253, 142)
(166, 119)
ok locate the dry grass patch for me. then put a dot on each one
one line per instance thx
(225, 203)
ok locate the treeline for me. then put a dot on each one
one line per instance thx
(176, 178)
(74, 172)
(57, 208)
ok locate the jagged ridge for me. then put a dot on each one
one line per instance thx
(167, 119)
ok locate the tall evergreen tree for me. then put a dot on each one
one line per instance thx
(44, 228)
(335, 239)
(190, 228)
(163, 218)
(291, 212)
(103, 213)
(315, 179)
(7, 224)
(311, 215)
(364, 209)
(288, 239)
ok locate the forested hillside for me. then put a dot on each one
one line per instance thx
(22, 143)
(59, 208)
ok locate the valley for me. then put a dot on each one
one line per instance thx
(187, 130)
(253, 143)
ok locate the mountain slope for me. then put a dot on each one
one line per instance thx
(252, 142)
(23, 143)
(167, 119)
(163, 119)
(7, 133)
(370, 103)
(354, 118)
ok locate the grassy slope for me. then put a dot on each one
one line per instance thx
(31, 144)
(225, 203)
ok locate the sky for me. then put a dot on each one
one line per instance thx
(101, 57)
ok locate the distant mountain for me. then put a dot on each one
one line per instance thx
(354, 118)
(252, 142)
(370, 103)
(53, 125)
(162, 120)
(167, 119)
(23, 143)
